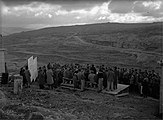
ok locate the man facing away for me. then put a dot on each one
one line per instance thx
(41, 78)
(22, 73)
(81, 78)
(110, 79)
(100, 79)
(49, 74)
(28, 76)
(115, 78)
(91, 78)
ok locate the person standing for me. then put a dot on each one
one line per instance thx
(28, 76)
(75, 80)
(41, 78)
(86, 73)
(91, 78)
(49, 74)
(131, 88)
(100, 80)
(60, 77)
(44, 72)
(115, 78)
(145, 87)
(81, 78)
(22, 73)
(57, 78)
(105, 79)
(93, 69)
(110, 79)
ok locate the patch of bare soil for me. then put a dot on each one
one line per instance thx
(64, 104)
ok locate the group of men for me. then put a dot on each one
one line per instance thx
(81, 77)
(99, 77)
(91, 76)
(145, 82)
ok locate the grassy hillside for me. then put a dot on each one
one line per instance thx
(127, 45)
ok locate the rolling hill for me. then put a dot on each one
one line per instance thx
(11, 30)
(125, 45)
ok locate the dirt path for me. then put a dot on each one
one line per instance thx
(121, 49)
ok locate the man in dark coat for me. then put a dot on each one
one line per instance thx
(105, 79)
(75, 80)
(23, 75)
(100, 80)
(93, 69)
(110, 79)
(115, 78)
(28, 76)
(145, 87)
(41, 78)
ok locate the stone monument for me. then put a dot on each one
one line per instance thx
(2, 56)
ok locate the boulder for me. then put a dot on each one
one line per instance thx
(36, 116)
(3, 99)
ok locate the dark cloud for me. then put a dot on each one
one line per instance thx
(146, 11)
(22, 2)
(19, 2)
(121, 6)
(81, 5)
(66, 4)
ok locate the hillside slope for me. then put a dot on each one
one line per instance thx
(128, 45)
(11, 30)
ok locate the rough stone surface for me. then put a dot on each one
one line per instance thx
(36, 116)
(3, 99)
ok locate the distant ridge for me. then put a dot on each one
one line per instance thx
(88, 28)
(11, 30)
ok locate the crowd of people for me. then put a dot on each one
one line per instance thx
(143, 82)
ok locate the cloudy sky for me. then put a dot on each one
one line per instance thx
(48, 13)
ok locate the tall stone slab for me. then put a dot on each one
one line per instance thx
(30, 67)
(35, 68)
(2, 61)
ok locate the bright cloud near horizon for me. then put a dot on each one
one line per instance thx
(38, 14)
